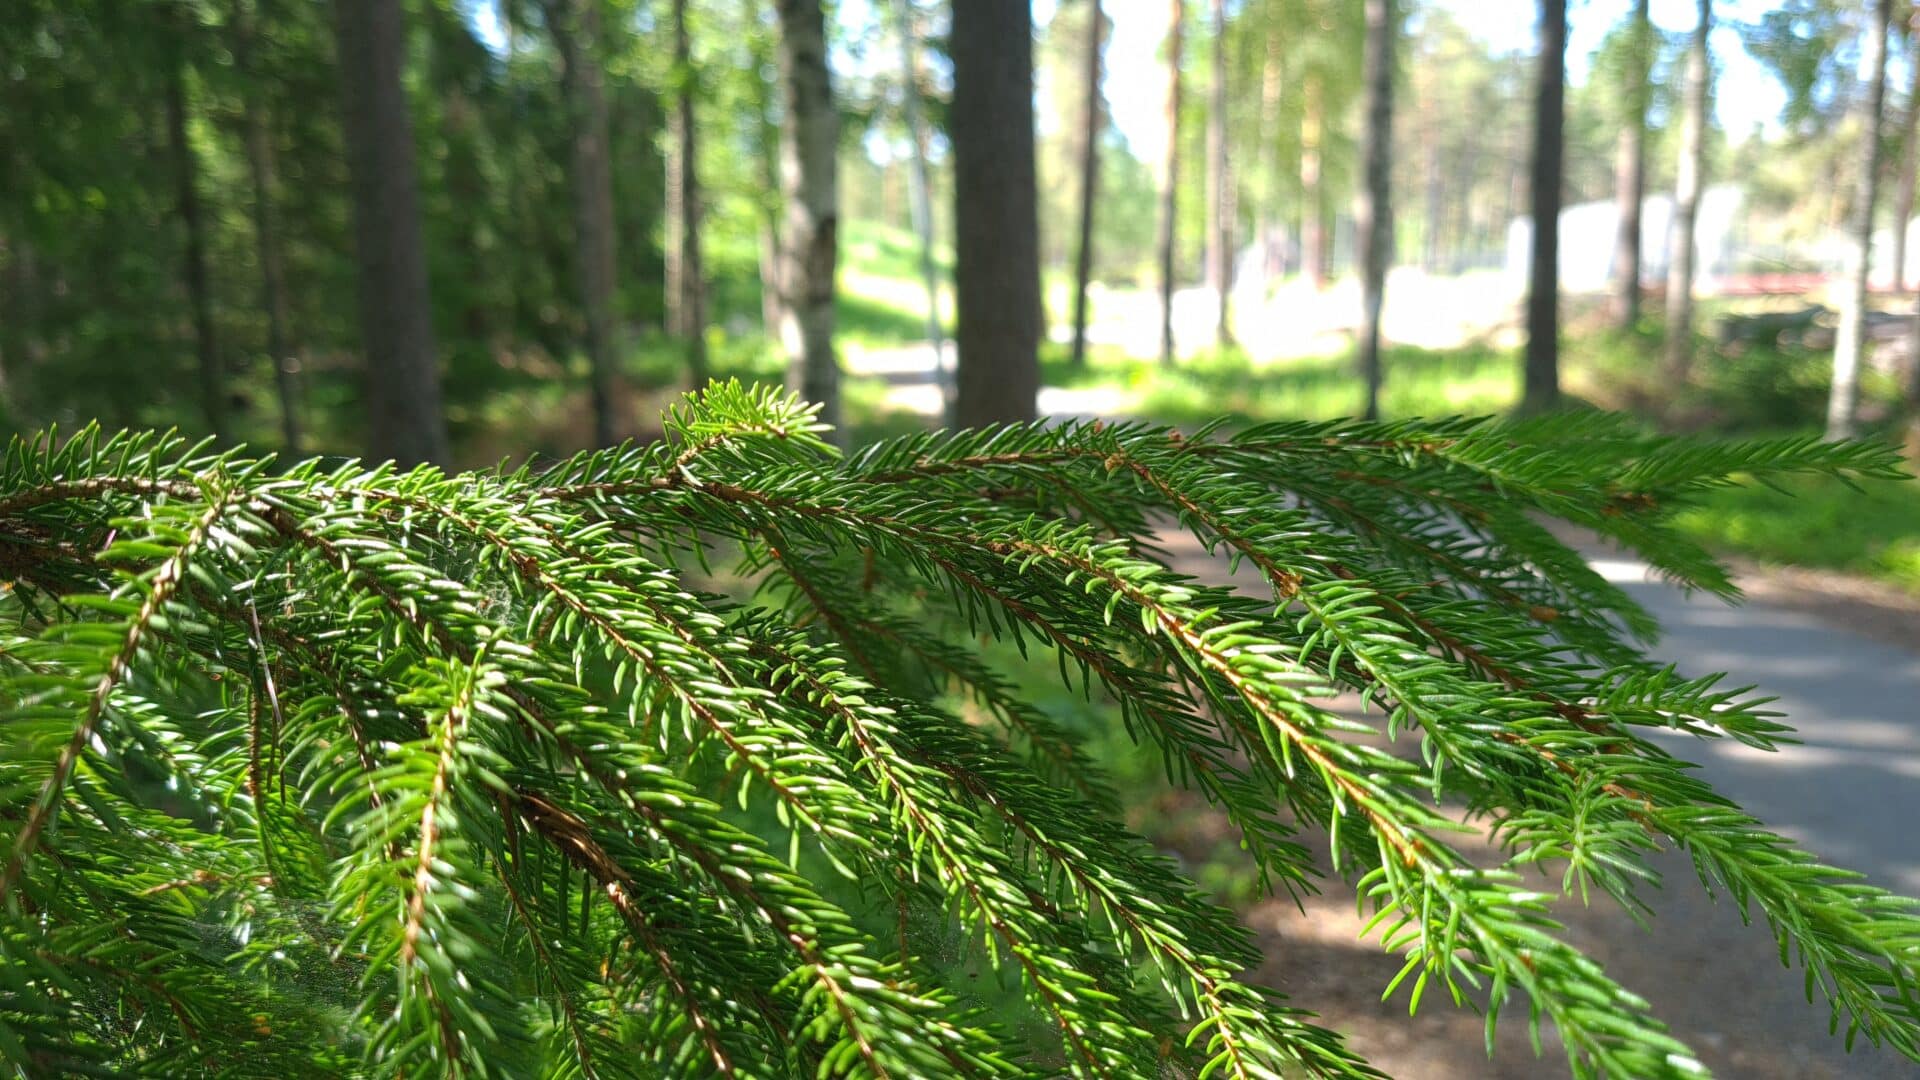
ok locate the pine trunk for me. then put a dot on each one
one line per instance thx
(673, 225)
(213, 390)
(1313, 204)
(809, 174)
(768, 139)
(266, 235)
(404, 418)
(1170, 178)
(1630, 172)
(996, 216)
(273, 277)
(690, 291)
(463, 174)
(18, 317)
(1910, 156)
(1689, 180)
(575, 25)
(1911, 376)
(1374, 222)
(1219, 185)
(1271, 79)
(1089, 182)
(1542, 376)
(1850, 345)
(922, 194)
(1435, 197)
(770, 311)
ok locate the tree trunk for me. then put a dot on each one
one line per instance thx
(266, 234)
(575, 25)
(1170, 178)
(19, 293)
(996, 219)
(1374, 221)
(1688, 183)
(1542, 381)
(273, 275)
(768, 138)
(809, 178)
(1910, 157)
(1219, 185)
(1911, 376)
(770, 311)
(1271, 78)
(213, 390)
(673, 301)
(404, 418)
(1630, 171)
(922, 195)
(683, 189)
(1313, 206)
(1850, 343)
(1089, 183)
(1435, 197)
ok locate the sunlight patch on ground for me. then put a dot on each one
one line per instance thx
(1622, 571)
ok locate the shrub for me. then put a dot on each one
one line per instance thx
(351, 770)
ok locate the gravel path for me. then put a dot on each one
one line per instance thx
(1851, 793)
(1847, 674)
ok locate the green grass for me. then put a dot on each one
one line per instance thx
(1873, 531)
(881, 300)
(1424, 382)
(1755, 390)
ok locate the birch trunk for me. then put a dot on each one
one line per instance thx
(1849, 347)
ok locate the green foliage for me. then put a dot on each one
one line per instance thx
(1808, 45)
(344, 770)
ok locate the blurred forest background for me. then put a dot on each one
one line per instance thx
(467, 230)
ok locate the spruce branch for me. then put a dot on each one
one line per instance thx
(348, 770)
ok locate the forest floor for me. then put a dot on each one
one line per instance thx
(1846, 675)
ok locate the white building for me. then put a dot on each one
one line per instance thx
(1588, 231)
